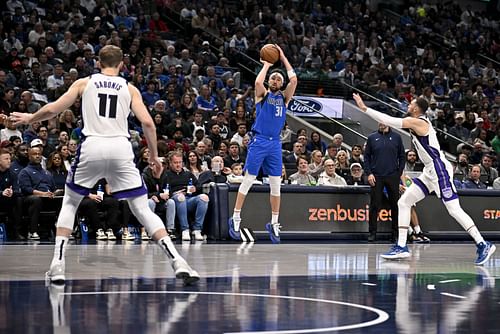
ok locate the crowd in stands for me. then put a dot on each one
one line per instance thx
(188, 59)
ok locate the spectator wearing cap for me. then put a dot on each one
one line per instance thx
(477, 130)
(10, 198)
(431, 112)
(223, 122)
(458, 130)
(17, 77)
(38, 187)
(455, 94)
(209, 58)
(357, 176)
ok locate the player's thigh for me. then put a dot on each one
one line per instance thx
(257, 152)
(273, 161)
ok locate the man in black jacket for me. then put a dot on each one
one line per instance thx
(384, 165)
(187, 197)
(10, 199)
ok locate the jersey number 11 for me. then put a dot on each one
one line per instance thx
(103, 103)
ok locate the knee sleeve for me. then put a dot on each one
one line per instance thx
(456, 211)
(275, 185)
(140, 209)
(246, 184)
(70, 204)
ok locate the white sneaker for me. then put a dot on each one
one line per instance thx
(127, 236)
(33, 236)
(197, 235)
(186, 236)
(144, 236)
(56, 274)
(100, 235)
(183, 271)
(110, 235)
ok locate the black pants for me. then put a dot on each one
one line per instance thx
(90, 208)
(36, 204)
(12, 206)
(377, 199)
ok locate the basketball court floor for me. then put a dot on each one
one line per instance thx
(115, 287)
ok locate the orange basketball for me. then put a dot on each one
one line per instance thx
(270, 53)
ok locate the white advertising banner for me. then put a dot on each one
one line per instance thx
(308, 106)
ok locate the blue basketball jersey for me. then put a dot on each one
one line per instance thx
(270, 115)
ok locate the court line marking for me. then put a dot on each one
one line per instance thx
(453, 295)
(369, 284)
(382, 315)
(449, 281)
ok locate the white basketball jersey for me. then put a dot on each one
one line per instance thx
(105, 106)
(427, 147)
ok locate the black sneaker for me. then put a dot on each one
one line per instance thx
(171, 234)
(422, 239)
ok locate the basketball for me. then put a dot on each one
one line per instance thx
(270, 53)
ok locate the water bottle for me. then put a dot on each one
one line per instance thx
(84, 229)
(100, 192)
(190, 187)
(166, 190)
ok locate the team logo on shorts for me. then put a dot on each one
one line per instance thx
(447, 192)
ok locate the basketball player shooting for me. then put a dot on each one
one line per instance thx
(264, 149)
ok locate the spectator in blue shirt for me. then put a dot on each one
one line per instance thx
(38, 187)
(150, 96)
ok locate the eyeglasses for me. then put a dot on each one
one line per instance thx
(329, 165)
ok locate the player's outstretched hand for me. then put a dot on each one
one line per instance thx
(19, 118)
(359, 101)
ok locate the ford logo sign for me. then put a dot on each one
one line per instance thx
(304, 106)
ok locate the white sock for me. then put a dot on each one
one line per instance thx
(410, 230)
(402, 236)
(274, 217)
(168, 247)
(59, 250)
(417, 229)
(236, 215)
(475, 234)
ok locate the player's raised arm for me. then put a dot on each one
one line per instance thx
(292, 77)
(52, 109)
(260, 89)
(419, 126)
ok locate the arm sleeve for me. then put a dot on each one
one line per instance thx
(392, 122)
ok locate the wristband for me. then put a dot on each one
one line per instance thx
(291, 73)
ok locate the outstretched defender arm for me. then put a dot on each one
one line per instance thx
(420, 127)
